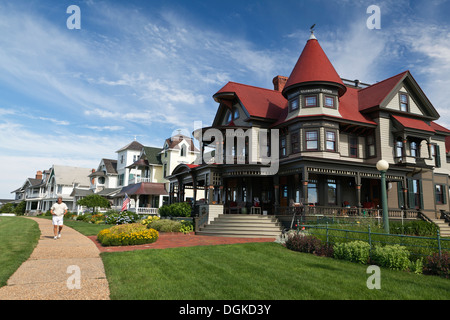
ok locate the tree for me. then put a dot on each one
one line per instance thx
(93, 201)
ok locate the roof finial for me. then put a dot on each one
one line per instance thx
(312, 32)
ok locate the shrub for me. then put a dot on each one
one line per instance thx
(165, 225)
(186, 226)
(149, 220)
(127, 234)
(355, 251)
(122, 218)
(394, 257)
(438, 265)
(97, 218)
(180, 209)
(308, 244)
(415, 228)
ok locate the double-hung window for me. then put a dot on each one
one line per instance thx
(312, 140)
(404, 105)
(331, 141)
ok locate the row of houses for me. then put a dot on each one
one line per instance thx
(330, 134)
(139, 172)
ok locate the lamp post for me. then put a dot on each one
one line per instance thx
(383, 166)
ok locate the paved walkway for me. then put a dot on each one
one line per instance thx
(46, 274)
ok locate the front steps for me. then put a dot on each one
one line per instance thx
(444, 228)
(243, 226)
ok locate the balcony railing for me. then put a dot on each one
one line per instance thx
(346, 212)
(139, 180)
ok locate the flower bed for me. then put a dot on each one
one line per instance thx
(127, 234)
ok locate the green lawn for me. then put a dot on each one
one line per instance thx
(255, 271)
(18, 238)
(88, 229)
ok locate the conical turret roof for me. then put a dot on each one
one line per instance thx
(312, 67)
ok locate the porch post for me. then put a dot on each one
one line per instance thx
(305, 180)
(405, 143)
(358, 192)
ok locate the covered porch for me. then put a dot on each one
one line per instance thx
(145, 197)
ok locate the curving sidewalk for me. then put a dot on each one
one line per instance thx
(52, 270)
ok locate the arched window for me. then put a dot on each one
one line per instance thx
(183, 151)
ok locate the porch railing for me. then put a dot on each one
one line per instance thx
(343, 211)
(145, 211)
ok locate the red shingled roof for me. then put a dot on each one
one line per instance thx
(373, 95)
(314, 66)
(413, 123)
(258, 102)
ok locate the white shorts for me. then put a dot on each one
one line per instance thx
(57, 221)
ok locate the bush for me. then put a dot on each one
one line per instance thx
(124, 217)
(308, 244)
(186, 226)
(355, 251)
(97, 218)
(438, 265)
(394, 257)
(180, 209)
(415, 228)
(127, 234)
(165, 225)
(149, 220)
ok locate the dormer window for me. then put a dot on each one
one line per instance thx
(293, 105)
(404, 103)
(329, 102)
(235, 114)
(229, 116)
(232, 115)
(311, 101)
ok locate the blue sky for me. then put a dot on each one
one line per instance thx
(148, 68)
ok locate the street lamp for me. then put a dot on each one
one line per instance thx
(383, 166)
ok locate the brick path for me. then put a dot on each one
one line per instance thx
(175, 240)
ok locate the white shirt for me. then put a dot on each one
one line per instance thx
(59, 208)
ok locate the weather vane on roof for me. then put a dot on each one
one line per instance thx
(312, 32)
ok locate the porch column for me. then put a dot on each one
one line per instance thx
(405, 143)
(305, 180)
(221, 195)
(358, 193)
(276, 185)
(210, 194)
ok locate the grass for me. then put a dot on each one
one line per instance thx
(18, 238)
(87, 229)
(255, 271)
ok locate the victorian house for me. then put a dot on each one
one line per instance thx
(40, 192)
(331, 133)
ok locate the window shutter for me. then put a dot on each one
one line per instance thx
(420, 194)
(437, 155)
(401, 201)
(411, 200)
(444, 194)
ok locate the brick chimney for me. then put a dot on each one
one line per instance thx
(279, 82)
(39, 175)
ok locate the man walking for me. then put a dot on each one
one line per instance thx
(58, 210)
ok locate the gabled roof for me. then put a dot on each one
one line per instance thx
(313, 66)
(173, 142)
(374, 95)
(258, 102)
(153, 155)
(134, 145)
